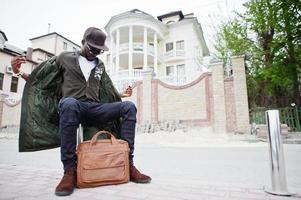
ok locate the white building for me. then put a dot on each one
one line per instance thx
(172, 45)
(45, 46)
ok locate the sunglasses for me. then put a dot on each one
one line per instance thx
(93, 50)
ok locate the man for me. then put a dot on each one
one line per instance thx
(71, 89)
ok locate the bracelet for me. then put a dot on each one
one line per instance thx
(21, 73)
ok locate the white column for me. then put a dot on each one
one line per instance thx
(155, 54)
(117, 49)
(111, 51)
(130, 50)
(145, 49)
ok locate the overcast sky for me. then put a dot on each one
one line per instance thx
(21, 20)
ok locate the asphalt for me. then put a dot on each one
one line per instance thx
(236, 168)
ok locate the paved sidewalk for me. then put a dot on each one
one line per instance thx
(31, 183)
(214, 169)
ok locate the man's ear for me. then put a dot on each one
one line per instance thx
(83, 41)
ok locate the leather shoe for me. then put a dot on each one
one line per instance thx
(67, 184)
(138, 177)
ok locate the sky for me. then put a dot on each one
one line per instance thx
(21, 20)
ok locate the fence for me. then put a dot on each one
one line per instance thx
(289, 115)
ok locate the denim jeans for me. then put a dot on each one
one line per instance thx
(73, 112)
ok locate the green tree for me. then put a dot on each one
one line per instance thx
(268, 34)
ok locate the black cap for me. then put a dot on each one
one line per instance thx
(96, 38)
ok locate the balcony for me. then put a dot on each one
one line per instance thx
(137, 47)
(174, 55)
(124, 78)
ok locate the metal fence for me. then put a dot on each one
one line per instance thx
(289, 115)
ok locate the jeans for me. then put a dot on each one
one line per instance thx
(73, 112)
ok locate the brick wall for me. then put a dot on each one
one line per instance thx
(230, 105)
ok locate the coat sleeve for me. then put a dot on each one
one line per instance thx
(39, 117)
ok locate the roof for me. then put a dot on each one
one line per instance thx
(54, 33)
(135, 13)
(170, 14)
(138, 11)
(13, 49)
(44, 51)
(3, 35)
(15, 53)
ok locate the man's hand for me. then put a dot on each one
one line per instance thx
(16, 63)
(128, 92)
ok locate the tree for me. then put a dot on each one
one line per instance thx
(268, 34)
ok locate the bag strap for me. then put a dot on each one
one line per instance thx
(94, 138)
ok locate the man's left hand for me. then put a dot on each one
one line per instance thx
(128, 92)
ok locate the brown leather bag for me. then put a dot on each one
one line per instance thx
(102, 162)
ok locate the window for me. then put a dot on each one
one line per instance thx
(180, 45)
(170, 70)
(169, 46)
(1, 81)
(14, 84)
(65, 46)
(177, 72)
(181, 70)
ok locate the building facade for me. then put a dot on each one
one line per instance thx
(171, 45)
(45, 46)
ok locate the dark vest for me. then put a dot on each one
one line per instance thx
(75, 84)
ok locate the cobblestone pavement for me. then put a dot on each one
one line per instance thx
(32, 183)
(178, 173)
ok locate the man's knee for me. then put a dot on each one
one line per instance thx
(69, 111)
(69, 103)
(129, 109)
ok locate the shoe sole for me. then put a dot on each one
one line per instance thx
(142, 181)
(63, 193)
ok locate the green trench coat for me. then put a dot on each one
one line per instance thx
(39, 112)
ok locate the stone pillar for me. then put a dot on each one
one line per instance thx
(219, 109)
(145, 48)
(240, 94)
(130, 68)
(147, 96)
(155, 53)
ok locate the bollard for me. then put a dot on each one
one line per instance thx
(80, 134)
(278, 176)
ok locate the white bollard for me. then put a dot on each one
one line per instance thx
(278, 176)
(80, 134)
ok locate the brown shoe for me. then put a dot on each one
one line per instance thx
(137, 177)
(67, 184)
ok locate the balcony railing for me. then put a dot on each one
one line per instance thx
(137, 47)
(174, 54)
(125, 74)
(124, 78)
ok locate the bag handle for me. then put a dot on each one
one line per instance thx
(94, 138)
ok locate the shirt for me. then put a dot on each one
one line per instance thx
(86, 66)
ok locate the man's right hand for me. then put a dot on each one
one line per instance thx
(16, 63)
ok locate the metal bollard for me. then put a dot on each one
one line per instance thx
(80, 133)
(278, 176)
